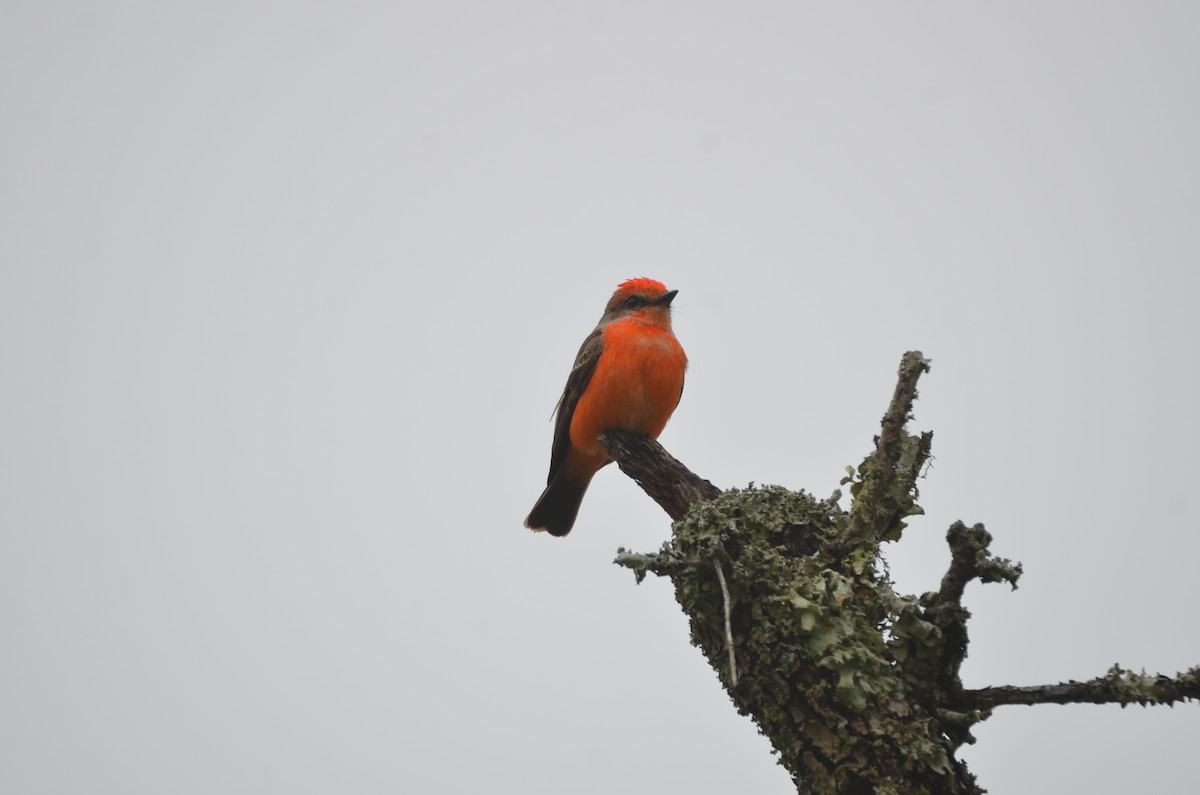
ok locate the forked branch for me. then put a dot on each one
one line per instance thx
(856, 686)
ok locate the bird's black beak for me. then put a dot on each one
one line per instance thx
(665, 299)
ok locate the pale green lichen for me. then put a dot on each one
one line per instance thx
(820, 644)
(1128, 687)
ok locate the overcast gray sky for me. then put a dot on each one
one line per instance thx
(288, 292)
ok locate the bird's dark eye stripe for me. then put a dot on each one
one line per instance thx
(633, 300)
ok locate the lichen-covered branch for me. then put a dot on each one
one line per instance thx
(857, 687)
(969, 560)
(1118, 686)
(886, 493)
(813, 667)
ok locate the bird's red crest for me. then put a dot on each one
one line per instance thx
(640, 285)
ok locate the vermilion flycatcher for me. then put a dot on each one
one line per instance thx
(628, 375)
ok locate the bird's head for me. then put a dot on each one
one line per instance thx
(643, 298)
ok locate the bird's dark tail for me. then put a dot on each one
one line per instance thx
(558, 506)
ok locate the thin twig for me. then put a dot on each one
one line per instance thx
(728, 624)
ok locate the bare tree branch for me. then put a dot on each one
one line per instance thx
(668, 482)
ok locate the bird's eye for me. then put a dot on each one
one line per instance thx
(633, 300)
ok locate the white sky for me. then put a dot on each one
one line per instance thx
(288, 292)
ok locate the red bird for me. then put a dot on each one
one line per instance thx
(628, 375)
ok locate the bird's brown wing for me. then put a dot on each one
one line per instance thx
(577, 381)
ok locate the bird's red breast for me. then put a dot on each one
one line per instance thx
(635, 386)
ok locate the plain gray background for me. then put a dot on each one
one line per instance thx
(288, 292)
